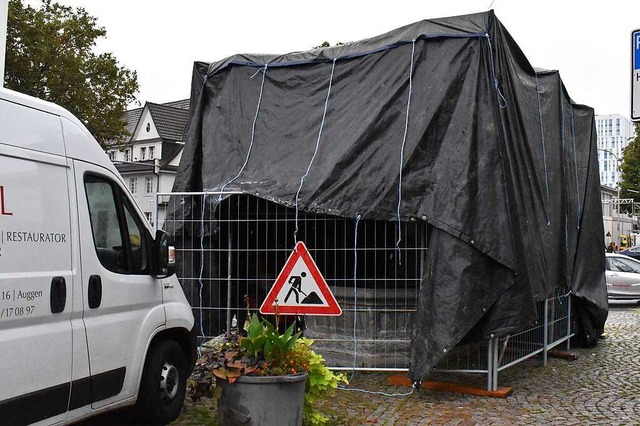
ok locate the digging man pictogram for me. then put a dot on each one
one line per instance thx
(296, 288)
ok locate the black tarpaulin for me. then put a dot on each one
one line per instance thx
(495, 157)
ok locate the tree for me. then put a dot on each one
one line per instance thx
(630, 172)
(50, 56)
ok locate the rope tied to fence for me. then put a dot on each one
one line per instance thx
(253, 131)
(404, 141)
(355, 311)
(324, 115)
(201, 276)
(414, 386)
(355, 296)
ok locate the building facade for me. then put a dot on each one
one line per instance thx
(148, 160)
(619, 226)
(614, 134)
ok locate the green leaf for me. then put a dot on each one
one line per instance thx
(268, 349)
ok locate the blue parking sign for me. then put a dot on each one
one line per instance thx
(636, 49)
(635, 75)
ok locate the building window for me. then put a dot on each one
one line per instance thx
(143, 153)
(127, 155)
(149, 184)
(133, 185)
(149, 216)
(152, 153)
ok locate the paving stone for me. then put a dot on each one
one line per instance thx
(600, 387)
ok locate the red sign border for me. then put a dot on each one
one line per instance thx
(331, 309)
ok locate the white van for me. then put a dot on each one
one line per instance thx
(92, 316)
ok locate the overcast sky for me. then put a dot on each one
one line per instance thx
(588, 42)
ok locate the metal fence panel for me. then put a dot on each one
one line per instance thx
(235, 254)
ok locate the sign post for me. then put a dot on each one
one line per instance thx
(635, 75)
(4, 17)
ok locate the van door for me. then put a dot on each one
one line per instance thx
(36, 284)
(122, 301)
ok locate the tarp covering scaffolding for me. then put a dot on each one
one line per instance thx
(443, 121)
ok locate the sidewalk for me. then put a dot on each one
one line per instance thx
(601, 387)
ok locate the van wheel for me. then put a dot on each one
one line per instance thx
(163, 384)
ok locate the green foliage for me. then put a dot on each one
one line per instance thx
(265, 351)
(50, 56)
(263, 341)
(631, 171)
(320, 382)
(327, 44)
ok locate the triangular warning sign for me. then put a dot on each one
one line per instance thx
(300, 288)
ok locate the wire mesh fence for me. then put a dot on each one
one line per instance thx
(233, 247)
(493, 355)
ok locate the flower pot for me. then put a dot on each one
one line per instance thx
(262, 400)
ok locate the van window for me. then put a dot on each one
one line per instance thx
(119, 238)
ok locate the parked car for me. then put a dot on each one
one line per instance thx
(632, 252)
(623, 277)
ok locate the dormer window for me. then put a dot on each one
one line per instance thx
(148, 127)
(143, 153)
(127, 155)
(152, 153)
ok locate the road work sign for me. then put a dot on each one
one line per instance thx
(635, 75)
(300, 288)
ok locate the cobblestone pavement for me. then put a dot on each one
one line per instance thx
(601, 387)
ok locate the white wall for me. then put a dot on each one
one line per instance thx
(141, 132)
(144, 200)
(137, 156)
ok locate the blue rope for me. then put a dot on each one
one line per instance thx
(395, 45)
(253, 131)
(544, 151)
(564, 171)
(502, 102)
(355, 297)
(575, 166)
(201, 284)
(404, 141)
(324, 115)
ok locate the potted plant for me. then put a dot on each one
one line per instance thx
(265, 377)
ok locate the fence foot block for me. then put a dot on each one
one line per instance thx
(569, 356)
(401, 380)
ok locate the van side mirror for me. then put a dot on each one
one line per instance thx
(164, 255)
